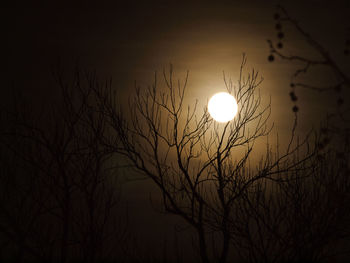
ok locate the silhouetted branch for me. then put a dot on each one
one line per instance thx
(200, 166)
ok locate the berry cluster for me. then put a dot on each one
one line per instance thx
(280, 35)
(293, 97)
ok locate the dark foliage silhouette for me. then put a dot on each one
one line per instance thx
(59, 198)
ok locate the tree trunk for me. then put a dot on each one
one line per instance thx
(66, 222)
(202, 245)
(225, 246)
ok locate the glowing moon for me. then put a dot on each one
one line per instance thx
(222, 107)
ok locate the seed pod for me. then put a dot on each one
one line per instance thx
(293, 96)
(280, 35)
(276, 16)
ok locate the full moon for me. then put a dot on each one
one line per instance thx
(222, 107)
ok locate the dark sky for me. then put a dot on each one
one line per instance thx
(130, 42)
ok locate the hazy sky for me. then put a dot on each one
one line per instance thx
(130, 42)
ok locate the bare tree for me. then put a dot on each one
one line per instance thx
(204, 171)
(302, 219)
(63, 181)
(200, 166)
(20, 211)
